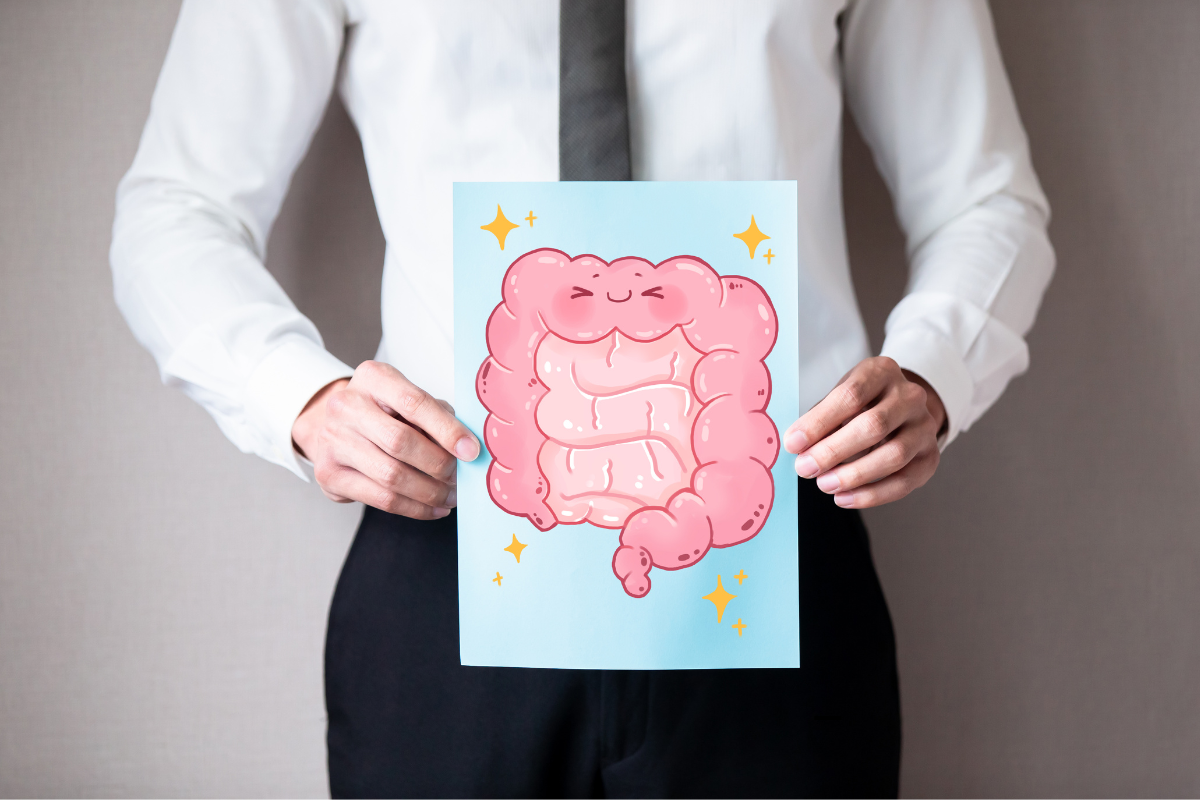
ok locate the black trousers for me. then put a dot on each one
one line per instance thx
(406, 719)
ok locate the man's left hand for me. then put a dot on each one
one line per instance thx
(873, 439)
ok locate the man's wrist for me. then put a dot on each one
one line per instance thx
(933, 402)
(308, 421)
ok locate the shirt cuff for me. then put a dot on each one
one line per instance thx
(923, 350)
(279, 389)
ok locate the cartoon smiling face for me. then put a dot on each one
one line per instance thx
(585, 298)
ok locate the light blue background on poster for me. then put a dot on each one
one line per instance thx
(561, 606)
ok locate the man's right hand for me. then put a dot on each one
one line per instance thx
(378, 439)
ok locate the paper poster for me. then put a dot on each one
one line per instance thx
(627, 352)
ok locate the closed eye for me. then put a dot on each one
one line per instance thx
(580, 292)
(653, 292)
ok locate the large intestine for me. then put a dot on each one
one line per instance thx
(632, 395)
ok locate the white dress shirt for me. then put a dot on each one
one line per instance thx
(467, 90)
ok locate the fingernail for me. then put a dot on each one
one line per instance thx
(452, 498)
(453, 481)
(438, 513)
(806, 466)
(845, 499)
(466, 449)
(795, 441)
(828, 483)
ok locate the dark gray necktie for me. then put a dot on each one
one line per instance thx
(593, 103)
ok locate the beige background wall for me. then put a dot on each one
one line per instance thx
(162, 596)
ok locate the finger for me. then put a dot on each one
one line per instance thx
(398, 440)
(416, 405)
(393, 474)
(886, 459)
(353, 484)
(860, 387)
(893, 487)
(337, 498)
(867, 429)
(453, 479)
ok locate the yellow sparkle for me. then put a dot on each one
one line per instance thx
(499, 227)
(752, 236)
(741, 576)
(496, 580)
(530, 219)
(719, 598)
(768, 255)
(740, 626)
(515, 548)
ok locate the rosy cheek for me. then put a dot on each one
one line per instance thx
(672, 308)
(571, 313)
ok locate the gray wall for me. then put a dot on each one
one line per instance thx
(162, 596)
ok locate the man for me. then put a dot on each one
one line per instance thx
(585, 89)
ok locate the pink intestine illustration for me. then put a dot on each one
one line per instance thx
(632, 396)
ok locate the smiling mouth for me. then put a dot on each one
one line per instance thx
(622, 300)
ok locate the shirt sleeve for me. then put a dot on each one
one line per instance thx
(241, 92)
(927, 88)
